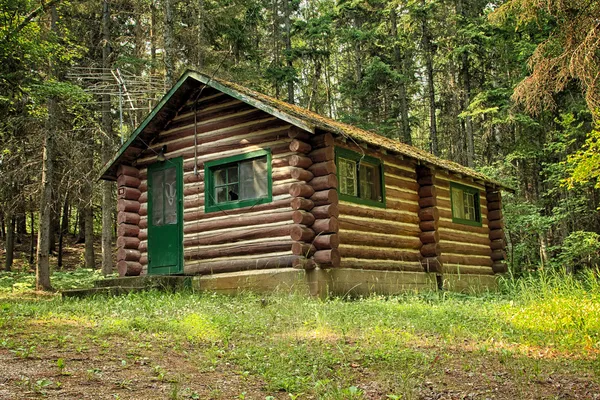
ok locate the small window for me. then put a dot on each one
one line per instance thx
(360, 178)
(465, 204)
(239, 181)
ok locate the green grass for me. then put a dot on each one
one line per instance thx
(328, 349)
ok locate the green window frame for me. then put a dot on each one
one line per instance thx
(227, 179)
(465, 204)
(360, 178)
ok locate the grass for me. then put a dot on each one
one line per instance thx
(542, 331)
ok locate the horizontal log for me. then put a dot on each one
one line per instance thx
(429, 214)
(423, 171)
(462, 227)
(143, 235)
(377, 253)
(427, 191)
(426, 180)
(427, 226)
(143, 198)
(389, 169)
(129, 268)
(465, 248)
(324, 197)
(464, 238)
(497, 224)
(379, 240)
(494, 215)
(431, 250)
(430, 237)
(143, 247)
(239, 250)
(297, 133)
(323, 154)
(300, 161)
(329, 225)
(497, 234)
(217, 153)
(499, 267)
(128, 254)
(196, 214)
(401, 183)
(132, 206)
(258, 232)
(377, 213)
(128, 181)
(301, 190)
(301, 233)
(128, 170)
(431, 264)
(143, 224)
(381, 265)
(460, 269)
(392, 193)
(304, 263)
(425, 202)
(144, 259)
(324, 242)
(128, 193)
(498, 244)
(300, 203)
(326, 211)
(303, 249)
(322, 140)
(493, 205)
(301, 174)
(498, 255)
(493, 197)
(298, 146)
(327, 258)
(323, 168)
(128, 230)
(143, 210)
(128, 242)
(128, 218)
(204, 267)
(460, 259)
(303, 217)
(347, 223)
(237, 221)
(324, 182)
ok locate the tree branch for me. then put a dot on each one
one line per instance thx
(33, 14)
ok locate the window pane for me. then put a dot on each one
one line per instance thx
(470, 206)
(347, 176)
(458, 207)
(369, 182)
(233, 192)
(170, 202)
(253, 178)
(220, 176)
(157, 198)
(232, 174)
(221, 194)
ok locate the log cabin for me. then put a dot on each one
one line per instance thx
(241, 190)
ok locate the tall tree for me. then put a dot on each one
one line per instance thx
(107, 149)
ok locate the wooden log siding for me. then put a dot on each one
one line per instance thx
(239, 239)
(382, 238)
(429, 216)
(496, 226)
(464, 249)
(128, 219)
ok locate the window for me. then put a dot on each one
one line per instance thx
(238, 181)
(164, 196)
(360, 178)
(465, 204)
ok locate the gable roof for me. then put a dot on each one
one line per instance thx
(310, 121)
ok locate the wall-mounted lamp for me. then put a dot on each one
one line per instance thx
(161, 154)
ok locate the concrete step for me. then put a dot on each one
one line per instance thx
(108, 291)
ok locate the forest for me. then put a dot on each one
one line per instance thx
(509, 88)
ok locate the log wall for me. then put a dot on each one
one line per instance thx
(383, 238)
(232, 240)
(496, 226)
(465, 249)
(128, 218)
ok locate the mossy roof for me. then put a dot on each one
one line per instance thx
(298, 116)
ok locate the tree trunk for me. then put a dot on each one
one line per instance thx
(428, 50)
(62, 232)
(466, 92)
(107, 199)
(275, 35)
(169, 44)
(399, 63)
(90, 258)
(80, 225)
(32, 238)
(2, 227)
(288, 50)
(10, 243)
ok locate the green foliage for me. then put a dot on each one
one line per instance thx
(585, 163)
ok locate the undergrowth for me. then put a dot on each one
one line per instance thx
(301, 345)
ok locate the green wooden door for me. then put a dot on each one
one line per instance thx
(165, 217)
